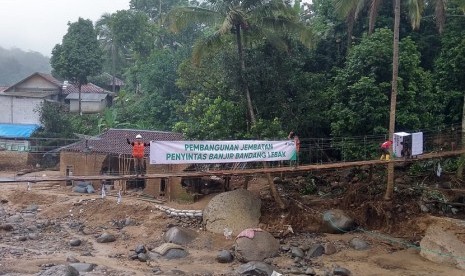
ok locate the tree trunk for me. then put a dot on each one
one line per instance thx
(462, 157)
(392, 113)
(243, 80)
(113, 65)
(79, 99)
(274, 191)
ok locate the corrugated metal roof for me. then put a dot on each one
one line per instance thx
(17, 130)
(114, 141)
(87, 97)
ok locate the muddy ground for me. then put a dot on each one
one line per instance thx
(63, 215)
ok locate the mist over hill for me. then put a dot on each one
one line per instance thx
(16, 64)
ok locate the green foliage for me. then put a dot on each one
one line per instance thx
(211, 118)
(362, 92)
(79, 56)
(309, 187)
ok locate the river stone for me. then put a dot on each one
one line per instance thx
(179, 235)
(358, 244)
(175, 253)
(140, 249)
(336, 221)
(75, 242)
(443, 242)
(255, 268)
(297, 252)
(224, 256)
(105, 238)
(6, 227)
(62, 270)
(316, 251)
(263, 245)
(143, 257)
(340, 271)
(330, 248)
(83, 267)
(236, 210)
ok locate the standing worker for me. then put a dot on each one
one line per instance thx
(384, 148)
(138, 148)
(293, 135)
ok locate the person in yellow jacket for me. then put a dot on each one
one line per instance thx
(138, 148)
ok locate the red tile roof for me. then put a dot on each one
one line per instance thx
(114, 141)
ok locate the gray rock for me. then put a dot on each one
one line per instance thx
(255, 268)
(62, 270)
(330, 248)
(142, 257)
(340, 271)
(33, 236)
(336, 221)
(179, 235)
(105, 238)
(285, 248)
(14, 219)
(454, 210)
(134, 256)
(175, 253)
(140, 249)
(236, 210)
(423, 208)
(310, 271)
(83, 267)
(316, 251)
(358, 244)
(21, 238)
(297, 252)
(224, 256)
(262, 246)
(75, 242)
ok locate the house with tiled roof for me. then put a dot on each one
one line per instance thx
(109, 153)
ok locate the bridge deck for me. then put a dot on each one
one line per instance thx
(225, 173)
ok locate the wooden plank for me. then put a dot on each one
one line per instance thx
(236, 172)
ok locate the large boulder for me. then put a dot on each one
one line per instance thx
(444, 243)
(256, 246)
(179, 235)
(236, 210)
(336, 221)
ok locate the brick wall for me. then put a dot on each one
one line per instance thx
(13, 160)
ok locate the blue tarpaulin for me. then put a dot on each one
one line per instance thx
(17, 130)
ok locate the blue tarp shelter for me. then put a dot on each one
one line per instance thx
(17, 130)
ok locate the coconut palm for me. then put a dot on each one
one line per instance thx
(253, 20)
(109, 43)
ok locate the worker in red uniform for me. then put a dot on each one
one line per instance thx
(138, 147)
(384, 148)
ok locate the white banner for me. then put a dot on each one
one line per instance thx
(183, 152)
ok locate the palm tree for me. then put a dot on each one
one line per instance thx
(245, 19)
(109, 43)
(250, 19)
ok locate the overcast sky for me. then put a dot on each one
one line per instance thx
(38, 25)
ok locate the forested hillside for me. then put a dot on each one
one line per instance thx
(16, 64)
(228, 70)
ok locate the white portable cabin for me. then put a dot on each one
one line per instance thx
(407, 144)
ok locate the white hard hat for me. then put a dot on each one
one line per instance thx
(138, 136)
